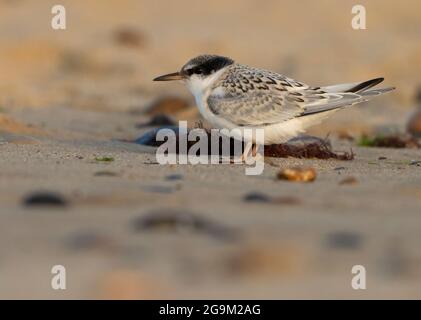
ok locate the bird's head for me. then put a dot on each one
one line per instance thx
(198, 72)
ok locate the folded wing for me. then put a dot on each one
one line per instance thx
(265, 107)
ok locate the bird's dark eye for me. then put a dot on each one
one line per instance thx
(192, 71)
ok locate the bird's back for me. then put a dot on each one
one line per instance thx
(243, 79)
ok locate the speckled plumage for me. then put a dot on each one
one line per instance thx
(258, 97)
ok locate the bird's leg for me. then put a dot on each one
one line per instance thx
(246, 151)
(254, 152)
(244, 156)
(254, 149)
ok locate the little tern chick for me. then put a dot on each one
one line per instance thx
(234, 96)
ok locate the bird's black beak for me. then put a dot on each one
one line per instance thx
(170, 77)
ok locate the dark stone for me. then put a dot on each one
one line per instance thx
(149, 138)
(105, 174)
(257, 197)
(182, 221)
(306, 147)
(174, 177)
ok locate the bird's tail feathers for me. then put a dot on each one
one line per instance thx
(356, 87)
(347, 94)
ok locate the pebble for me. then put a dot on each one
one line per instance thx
(257, 197)
(41, 199)
(149, 138)
(105, 174)
(174, 177)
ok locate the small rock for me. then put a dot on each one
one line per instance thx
(105, 174)
(158, 189)
(41, 199)
(174, 177)
(86, 241)
(418, 96)
(149, 138)
(176, 221)
(382, 158)
(297, 174)
(413, 126)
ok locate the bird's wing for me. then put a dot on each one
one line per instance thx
(343, 99)
(265, 107)
(248, 96)
(255, 107)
